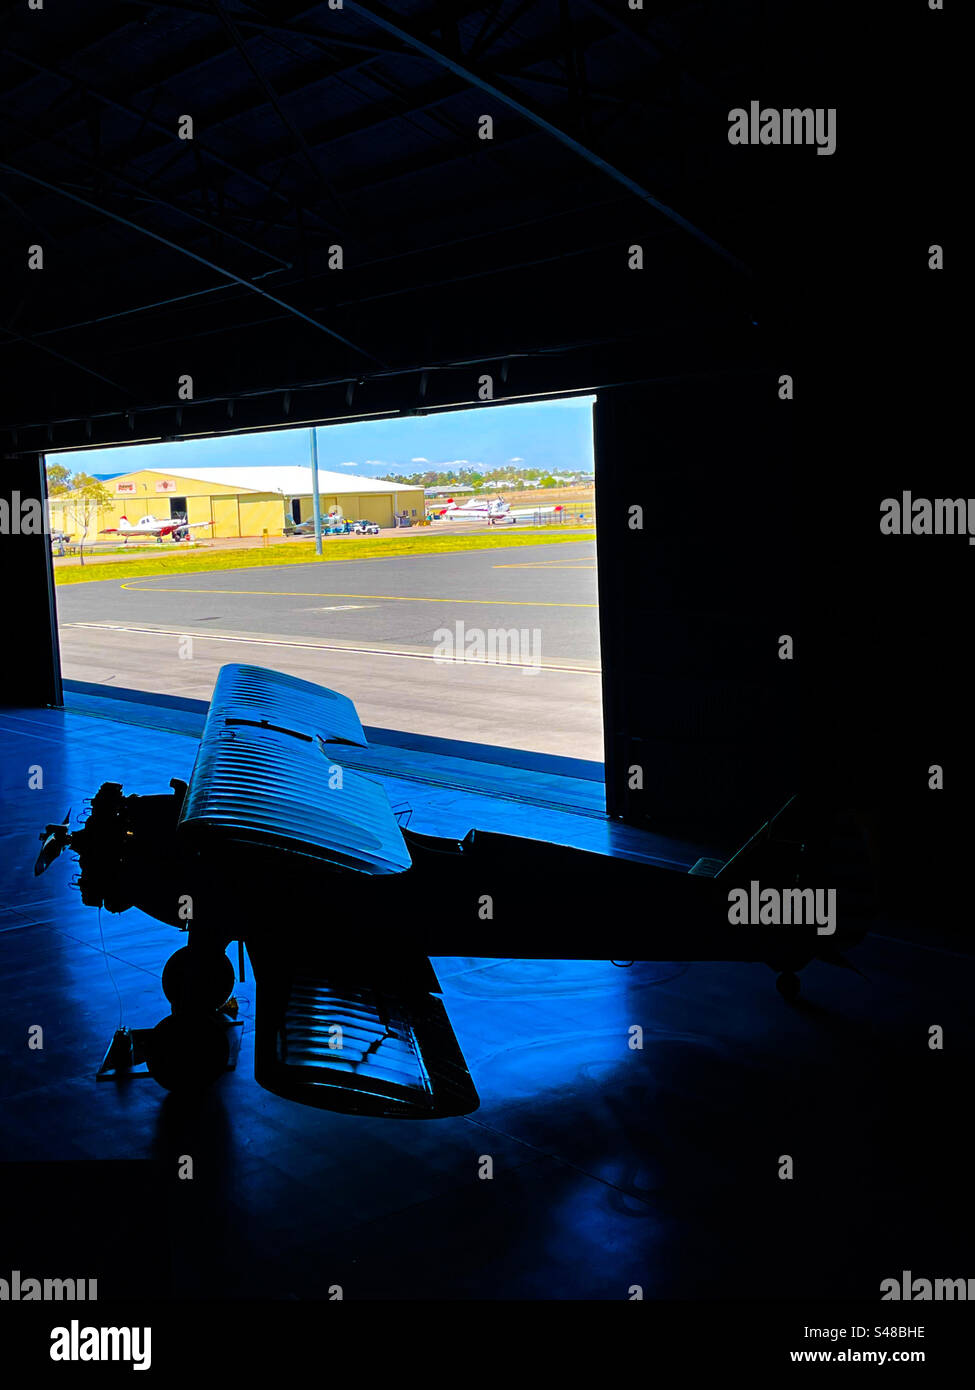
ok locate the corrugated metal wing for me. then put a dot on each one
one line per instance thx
(265, 775)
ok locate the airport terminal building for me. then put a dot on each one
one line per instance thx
(242, 501)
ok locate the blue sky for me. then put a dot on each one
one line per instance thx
(554, 435)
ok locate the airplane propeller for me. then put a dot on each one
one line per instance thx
(55, 838)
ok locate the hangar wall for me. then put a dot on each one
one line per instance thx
(257, 512)
(696, 590)
(232, 510)
(32, 662)
(377, 508)
(370, 506)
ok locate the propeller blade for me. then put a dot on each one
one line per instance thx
(55, 838)
(50, 850)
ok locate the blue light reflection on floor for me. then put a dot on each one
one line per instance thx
(613, 1165)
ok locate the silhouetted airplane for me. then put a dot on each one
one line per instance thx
(275, 844)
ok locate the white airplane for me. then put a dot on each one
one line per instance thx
(531, 513)
(152, 526)
(497, 509)
(498, 512)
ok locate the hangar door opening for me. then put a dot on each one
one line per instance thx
(455, 596)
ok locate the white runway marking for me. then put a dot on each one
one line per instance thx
(328, 647)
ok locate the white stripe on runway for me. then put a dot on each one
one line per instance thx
(331, 647)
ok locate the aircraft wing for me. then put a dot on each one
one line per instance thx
(366, 1036)
(265, 776)
(346, 1019)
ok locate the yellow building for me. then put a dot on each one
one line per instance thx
(239, 501)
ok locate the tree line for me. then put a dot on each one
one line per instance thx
(511, 477)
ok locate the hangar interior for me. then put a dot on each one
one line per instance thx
(334, 236)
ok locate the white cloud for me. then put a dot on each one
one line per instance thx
(516, 460)
(419, 460)
(353, 464)
(376, 463)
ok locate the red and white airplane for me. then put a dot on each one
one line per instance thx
(493, 510)
(152, 526)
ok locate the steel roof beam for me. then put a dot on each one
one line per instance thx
(392, 24)
(194, 256)
(148, 196)
(261, 23)
(80, 366)
(163, 129)
(267, 87)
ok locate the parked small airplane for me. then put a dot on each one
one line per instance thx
(176, 526)
(535, 513)
(493, 510)
(332, 524)
(278, 843)
(497, 511)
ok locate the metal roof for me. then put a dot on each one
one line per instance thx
(293, 480)
(313, 128)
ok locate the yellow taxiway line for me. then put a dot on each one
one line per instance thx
(134, 587)
(548, 565)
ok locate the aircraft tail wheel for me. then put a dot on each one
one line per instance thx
(187, 1053)
(198, 979)
(788, 985)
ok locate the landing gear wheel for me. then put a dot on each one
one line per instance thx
(788, 986)
(187, 1053)
(195, 978)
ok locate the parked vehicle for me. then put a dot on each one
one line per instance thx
(331, 526)
(365, 528)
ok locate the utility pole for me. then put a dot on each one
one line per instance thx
(315, 500)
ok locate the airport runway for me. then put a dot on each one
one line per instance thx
(373, 629)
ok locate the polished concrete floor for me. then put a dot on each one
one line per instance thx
(612, 1166)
